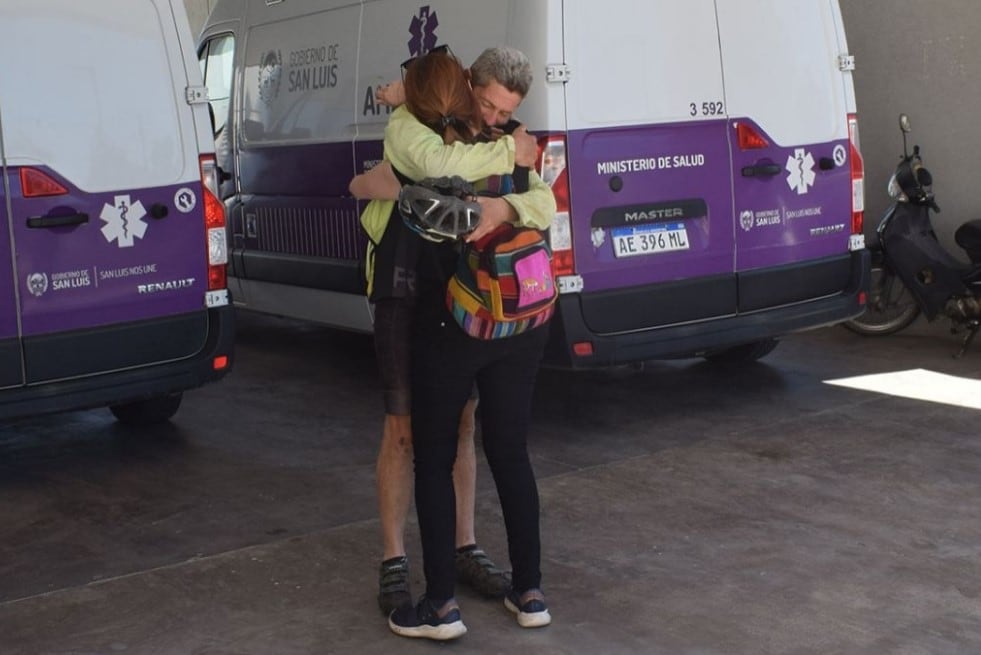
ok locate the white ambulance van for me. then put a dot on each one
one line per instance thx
(703, 154)
(113, 246)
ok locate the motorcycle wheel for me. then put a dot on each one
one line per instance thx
(890, 308)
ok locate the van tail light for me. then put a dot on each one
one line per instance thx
(858, 176)
(37, 184)
(214, 223)
(552, 168)
(749, 138)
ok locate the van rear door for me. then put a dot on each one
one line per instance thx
(788, 95)
(649, 164)
(11, 366)
(104, 182)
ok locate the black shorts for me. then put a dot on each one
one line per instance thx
(393, 327)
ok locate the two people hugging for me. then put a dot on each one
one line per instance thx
(452, 122)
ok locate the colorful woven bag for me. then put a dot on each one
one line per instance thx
(503, 284)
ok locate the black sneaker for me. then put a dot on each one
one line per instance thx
(393, 584)
(422, 621)
(476, 570)
(533, 613)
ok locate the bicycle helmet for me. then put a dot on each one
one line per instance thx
(439, 209)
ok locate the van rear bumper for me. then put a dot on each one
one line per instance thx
(692, 339)
(128, 385)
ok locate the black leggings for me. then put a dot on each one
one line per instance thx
(393, 329)
(445, 364)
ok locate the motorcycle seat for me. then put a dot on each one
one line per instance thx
(968, 237)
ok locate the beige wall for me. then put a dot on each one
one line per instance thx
(920, 58)
(915, 57)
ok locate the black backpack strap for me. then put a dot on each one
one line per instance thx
(519, 176)
(401, 177)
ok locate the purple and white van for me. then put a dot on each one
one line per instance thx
(114, 288)
(703, 154)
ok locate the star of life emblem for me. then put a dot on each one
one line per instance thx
(124, 221)
(800, 165)
(423, 31)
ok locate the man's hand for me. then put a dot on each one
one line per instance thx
(378, 183)
(525, 148)
(493, 213)
(391, 95)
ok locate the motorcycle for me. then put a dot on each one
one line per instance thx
(911, 272)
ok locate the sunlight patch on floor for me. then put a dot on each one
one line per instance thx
(919, 384)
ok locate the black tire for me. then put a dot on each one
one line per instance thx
(743, 354)
(148, 411)
(890, 308)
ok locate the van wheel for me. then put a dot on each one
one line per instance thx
(148, 411)
(748, 352)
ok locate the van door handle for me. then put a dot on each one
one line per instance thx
(761, 170)
(57, 221)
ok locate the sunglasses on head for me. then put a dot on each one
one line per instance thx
(442, 49)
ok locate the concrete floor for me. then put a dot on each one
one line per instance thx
(687, 510)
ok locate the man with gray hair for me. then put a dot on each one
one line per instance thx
(508, 66)
(500, 78)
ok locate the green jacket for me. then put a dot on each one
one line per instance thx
(418, 152)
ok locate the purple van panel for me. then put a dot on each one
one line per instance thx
(298, 225)
(296, 202)
(128, 261)
(367, 154)
(648, 175)
(322, 170)
(799, 210)
(792, 202)
(8, 301)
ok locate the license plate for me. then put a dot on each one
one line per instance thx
(649, 239)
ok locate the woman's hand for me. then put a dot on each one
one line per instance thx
(494, 212)
(391, 95)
